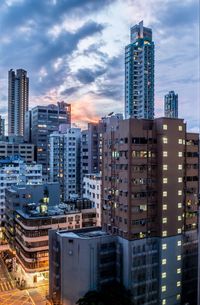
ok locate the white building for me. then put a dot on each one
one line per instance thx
(92, 191)
(14, 171)
(65, 161)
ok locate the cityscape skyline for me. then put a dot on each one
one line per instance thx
(89, 72)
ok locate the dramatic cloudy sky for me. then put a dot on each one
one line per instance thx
(73, 50)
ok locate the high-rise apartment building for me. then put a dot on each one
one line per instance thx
(171, 105)
(2, 126)
(41, 121)
(18, 100)
(64, 160)
(90, 150)
(149, 208)
(149, 194)
(139, 74)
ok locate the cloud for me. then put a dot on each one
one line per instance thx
(87, 76)
(74, 50)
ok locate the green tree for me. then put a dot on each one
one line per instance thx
(112, 294)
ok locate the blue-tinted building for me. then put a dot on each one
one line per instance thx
(139, 74)
(171, 105)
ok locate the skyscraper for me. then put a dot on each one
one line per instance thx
(171, 105)
(139, 74)
(18, 95)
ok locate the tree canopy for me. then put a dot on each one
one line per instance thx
(112, 294)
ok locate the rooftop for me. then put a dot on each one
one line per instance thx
(85, 233)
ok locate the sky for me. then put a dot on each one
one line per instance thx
(73, 50)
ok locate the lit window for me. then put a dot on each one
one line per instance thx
(180, 166)
(180, 154)
(180, 179)
(178, 270)
(164, 246)
(165, 167)
(180, 128)
(178, 257)
(179, 205)
(165, 194)
(164, 302)
(179, 192)
(178, 297)
(179, 218)
(164, 233)
(179, 243)
(164, 220)
(164, 288)
(164, 261)
(165, 153)
(165, 180)
(165, 140)
(180, 141)
(178, 284)
(164, 206)
(164, 275)
(179, 231)
(165, 127)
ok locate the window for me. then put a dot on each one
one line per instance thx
(180, 141)
(164, 207)
(164, 220)
(164, 302)
(164, 261)
(165, 194)
(164, 246)
(179, 205)
(165, 167)
(179, 231)
(164, 233)
(165, 180)
(165, 140)
(179, 192)
(165, 153)
(179, 243)
(180, 154)
(164, 288)
(180, 166)
(164, 275)
(179, 218)
(180, 179)
(178, 257)
(178, 284)
(180, 128)
(164, 126)
(178, 297)
(178, 270)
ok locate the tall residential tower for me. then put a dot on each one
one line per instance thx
(18, 94)
(139, 74)
(171, 105)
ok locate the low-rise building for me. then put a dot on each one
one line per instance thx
(14, 171)
(80, 261)
(31, 210)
